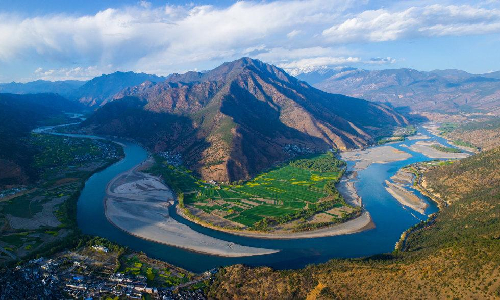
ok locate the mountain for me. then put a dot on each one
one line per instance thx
(100, 90)
(440, 91)
(64, 88)
(19, 114)
(240, 118)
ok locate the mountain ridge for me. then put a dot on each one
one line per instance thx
(438, 91)
(244, 113)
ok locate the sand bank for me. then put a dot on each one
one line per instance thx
(381, 155)
(425, 148)
(137, 203)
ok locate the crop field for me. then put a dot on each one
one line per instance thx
(283, 191)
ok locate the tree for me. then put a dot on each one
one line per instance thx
(180, 197)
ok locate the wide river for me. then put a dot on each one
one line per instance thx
(390, 218)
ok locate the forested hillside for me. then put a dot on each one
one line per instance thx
(455, 257)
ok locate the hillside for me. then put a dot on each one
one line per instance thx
(244, 117)
(19, 114)
(101, 89)
(441, 91)
(456, 257)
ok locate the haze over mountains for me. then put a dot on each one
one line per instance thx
(442, 91)
(240, 118)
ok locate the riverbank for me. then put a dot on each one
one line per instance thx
(359, 224)
(138, 203)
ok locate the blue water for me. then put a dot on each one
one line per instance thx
(390, 218)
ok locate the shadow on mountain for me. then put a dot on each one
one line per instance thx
(127, 118)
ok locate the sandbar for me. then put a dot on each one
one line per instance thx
(406, 197)
(381, 155)
(425, 148)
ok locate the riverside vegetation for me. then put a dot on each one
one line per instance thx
(456, 256)
(295, 190)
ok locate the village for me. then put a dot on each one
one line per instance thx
(78, 275)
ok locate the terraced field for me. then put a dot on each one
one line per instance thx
(280, 194)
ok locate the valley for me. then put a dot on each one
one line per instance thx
(183, 183)
(101, 226)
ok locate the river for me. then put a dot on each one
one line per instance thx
(390, 217)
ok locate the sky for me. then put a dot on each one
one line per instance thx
(79, 40)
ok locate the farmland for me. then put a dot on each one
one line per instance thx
(295, 190)
(43, 214)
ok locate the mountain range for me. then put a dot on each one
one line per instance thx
(240, 118)
(440, 91)
(92, 93)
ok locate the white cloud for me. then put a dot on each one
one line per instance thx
(174, 38)
(77, 73)
(293, 33)
(158, 39)
(433, 20)
(380, 61)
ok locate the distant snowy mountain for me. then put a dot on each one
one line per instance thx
(313, 75)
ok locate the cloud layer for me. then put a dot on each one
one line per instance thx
(292, 34)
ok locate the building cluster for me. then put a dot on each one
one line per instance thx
(294, 150)
(62, 278)
(12, 191)
(174, 159)
(106, 151)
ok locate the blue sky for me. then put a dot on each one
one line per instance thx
(60, 40)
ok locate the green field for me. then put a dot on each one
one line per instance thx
(294, 190)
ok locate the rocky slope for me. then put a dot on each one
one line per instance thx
(441, 91)
(241, 118)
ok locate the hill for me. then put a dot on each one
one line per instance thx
(101, 89)
(19, 114)
(440, 91)
(456, 256)
(483, 133)
(241, 118)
